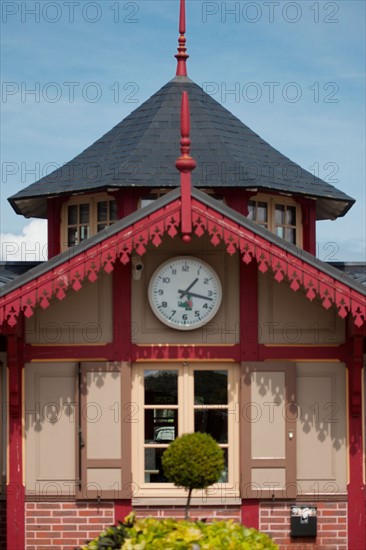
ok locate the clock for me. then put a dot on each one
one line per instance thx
(185, 293)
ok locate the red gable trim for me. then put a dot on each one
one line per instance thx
(269, 256)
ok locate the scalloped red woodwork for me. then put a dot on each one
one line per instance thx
(284, 264)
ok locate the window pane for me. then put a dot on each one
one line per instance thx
(161, 425)
(161, 387)
(291, 215)
(72, 233)
(251, 210)
(224, 478)
(291, 235)
(153, 467)
(84, 232)
(280, 214)
(210, 387)
(102, 211)
(72, 215)
(101, 226)
(280, 232)
(213, 422)
(112, 211)
(262, 212)
(84, 213)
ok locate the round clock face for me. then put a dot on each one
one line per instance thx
(185, 293)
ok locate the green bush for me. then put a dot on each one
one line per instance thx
(170, 534)
(193, 461)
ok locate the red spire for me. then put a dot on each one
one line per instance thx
(185, 164)
(182, 56)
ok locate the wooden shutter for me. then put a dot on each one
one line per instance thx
(104, 431)
(268, 430)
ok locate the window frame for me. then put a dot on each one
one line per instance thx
(186, 409)
(92, 201)
(271, 225)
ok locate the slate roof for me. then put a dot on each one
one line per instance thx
(140, 214)
(142, 149)
(356, 270)
(9, 271)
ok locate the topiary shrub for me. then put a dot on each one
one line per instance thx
(163, 534)
(193, 461)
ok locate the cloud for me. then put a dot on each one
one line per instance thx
(30, 245)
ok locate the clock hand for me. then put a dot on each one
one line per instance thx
(183, 292)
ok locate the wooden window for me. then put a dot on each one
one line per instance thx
(177, 399)
(268, 430)
(104, 418)
(85, 216)
(280, 215)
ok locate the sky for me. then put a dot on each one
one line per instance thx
(294, 72)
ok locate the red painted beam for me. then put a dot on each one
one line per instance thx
(191, 352)
(15, 489)
(356, 487)
(336, 353)
(45, 353)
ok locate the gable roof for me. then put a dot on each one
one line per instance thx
(141, 151)
(72, 268)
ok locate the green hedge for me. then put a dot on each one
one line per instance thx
(172, 534)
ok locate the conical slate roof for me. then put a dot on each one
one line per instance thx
(142, 149)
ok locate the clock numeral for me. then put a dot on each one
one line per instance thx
(206, 281)
(185, 268)
(174, 311)
(205, 306)
(174, 271)
(164, 304)
(197, 314)
(209, 293)
(166, 280)
(185, 317)
(161, 292)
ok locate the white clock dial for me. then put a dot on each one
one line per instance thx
(185, 293)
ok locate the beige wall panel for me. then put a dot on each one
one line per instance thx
(50, 426)
(321, 428)
(103, 414)
(269, 477)
(105, 478)
(287, 317)
(268, 401)
(83, 317)
(223, 329)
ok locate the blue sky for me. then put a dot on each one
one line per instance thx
(292, 71)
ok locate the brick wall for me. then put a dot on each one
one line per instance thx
(196, 512)
(274, 519)
(66, 525)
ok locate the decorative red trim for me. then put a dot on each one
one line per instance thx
(356, 487)
(191, 352)
(47, 353)
(250, 513)
(182, 56)
(185, 164)
(86, 265)
(15, 488)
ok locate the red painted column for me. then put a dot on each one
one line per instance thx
(15, 489)
(249, 352)
(308, 224)
(122, 314)
(121, 509)
(356, 487)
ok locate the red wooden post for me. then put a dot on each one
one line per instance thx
(15, 488)
(185, 164)
(356, 487)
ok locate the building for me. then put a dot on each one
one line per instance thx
(167, 308)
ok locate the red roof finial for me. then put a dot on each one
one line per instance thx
(182, 56)
(185, 164)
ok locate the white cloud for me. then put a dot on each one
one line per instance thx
(30, 245)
